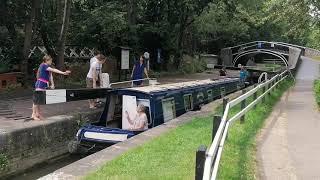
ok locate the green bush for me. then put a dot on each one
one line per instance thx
(191, 65)
(3, 162)
(316, 88)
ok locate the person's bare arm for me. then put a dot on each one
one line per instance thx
(134, 66)
(129, 119)
(58, 71)
(146, 72)
(51, 81)
(94, 77)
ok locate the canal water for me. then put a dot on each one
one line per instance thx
(47, 167)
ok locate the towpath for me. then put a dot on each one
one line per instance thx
(289, 145)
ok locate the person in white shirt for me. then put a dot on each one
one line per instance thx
(93, 76)
(94, 59)
(140, 121)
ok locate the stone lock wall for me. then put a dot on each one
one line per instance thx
(26, 147)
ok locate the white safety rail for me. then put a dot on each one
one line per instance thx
(151, 81)
(214, 153)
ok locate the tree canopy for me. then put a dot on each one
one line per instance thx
(177, 27)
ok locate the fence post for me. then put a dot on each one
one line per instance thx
(243, 105)
(225, 102)
(255, 96)
(200, 160)
(216, 124)
(263, 91)
(269, 86)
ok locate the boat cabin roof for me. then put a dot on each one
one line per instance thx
(172, 86)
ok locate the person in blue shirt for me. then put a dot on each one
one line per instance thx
(137, 72)
(243, 74)
(44, 77)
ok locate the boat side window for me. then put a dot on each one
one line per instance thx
(209, 92)
(188, 102)
(169, 109)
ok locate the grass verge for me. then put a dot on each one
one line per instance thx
(316, 58)
(316, 89)
(172, 155)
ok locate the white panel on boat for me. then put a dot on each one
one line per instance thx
(56, 96)
(129, 104)
(105, 136)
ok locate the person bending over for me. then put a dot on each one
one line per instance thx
(93, 76)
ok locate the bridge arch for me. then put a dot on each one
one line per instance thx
(261, 51)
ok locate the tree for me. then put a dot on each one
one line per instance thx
(62, 30)
(28, 32)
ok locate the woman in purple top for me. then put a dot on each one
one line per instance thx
(44, 76)
(137, 72)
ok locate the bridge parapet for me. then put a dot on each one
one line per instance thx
(309, 52)
(288, 53)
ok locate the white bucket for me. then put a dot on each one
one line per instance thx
(153, 82)
(104, 80)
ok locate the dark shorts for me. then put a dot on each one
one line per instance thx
(89, 82)
(38, 97)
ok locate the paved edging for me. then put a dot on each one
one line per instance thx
(85, 166)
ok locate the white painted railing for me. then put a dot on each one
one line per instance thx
(151, 81)
(214, 153)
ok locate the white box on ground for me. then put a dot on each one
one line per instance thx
(56, 96)
(104, 80)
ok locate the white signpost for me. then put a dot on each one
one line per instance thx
(124, 59)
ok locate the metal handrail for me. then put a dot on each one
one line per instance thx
(214, 153)
(131, 81)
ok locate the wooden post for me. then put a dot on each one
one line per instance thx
(243, 105)
(216, 124)
(255, 96)
(200, 160)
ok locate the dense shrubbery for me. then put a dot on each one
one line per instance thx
(191, 65)
(3, 162)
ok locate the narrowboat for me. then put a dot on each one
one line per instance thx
(162, 103)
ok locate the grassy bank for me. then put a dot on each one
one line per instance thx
(172, 155)
(316, 58)
(316, 88)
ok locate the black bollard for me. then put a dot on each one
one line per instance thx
(216, 124)
(255, 96)
(200, 160)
